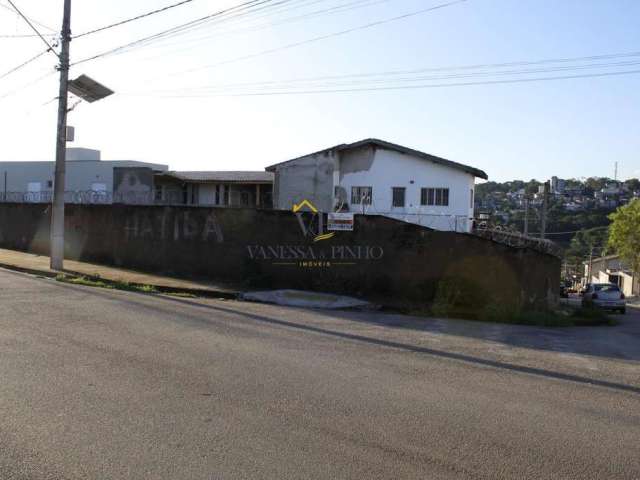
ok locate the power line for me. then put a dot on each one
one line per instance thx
(250, 4)
(27, 35)
(393, 77)
(574, 231)
(253, 28)
(325, 37)
(259, 10)
(24, 64)
(408, 87)
(178, 28)
(27, 85)
(53, 31)
(50, 48)
(132, 19)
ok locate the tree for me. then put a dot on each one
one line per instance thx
(586, 243)
(633, 185)
(624, 233)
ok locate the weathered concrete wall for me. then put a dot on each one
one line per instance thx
(382, 258)
(308, 178)
(132, 185)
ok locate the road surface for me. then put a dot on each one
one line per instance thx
(103, 384)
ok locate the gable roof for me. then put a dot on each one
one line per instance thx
(395, 147)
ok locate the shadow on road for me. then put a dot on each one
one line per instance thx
(130, 299)
(416, 349)
(621, 341)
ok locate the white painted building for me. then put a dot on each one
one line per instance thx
(611, 269)
(380, 178)
(88, 178)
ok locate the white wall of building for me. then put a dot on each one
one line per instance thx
(81, 175)
(384, 169)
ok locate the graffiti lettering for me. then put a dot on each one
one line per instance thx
(185, 227)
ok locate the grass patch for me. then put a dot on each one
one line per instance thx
(565, 316)
(99, 283)
(180, 294)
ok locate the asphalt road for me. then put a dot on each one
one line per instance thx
(113, 385)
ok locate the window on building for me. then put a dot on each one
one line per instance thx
(471, 201)
(195, 193)
(361, 195)
(434, 196)
(398, 196)
(185, 194)
(427, 196)
(225, 197)
(158, 193)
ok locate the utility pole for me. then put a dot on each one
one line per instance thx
(57, 213)
(545, 206)
(590, 264)
(526, 216)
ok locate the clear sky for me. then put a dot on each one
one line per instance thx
(570, 127)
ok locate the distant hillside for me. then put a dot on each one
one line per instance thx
(574, 205)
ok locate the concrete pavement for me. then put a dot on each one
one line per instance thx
(112, 384)
(39, 265)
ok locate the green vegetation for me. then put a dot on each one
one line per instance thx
(583, 244)
(624, 233)
(180, 294)
(100, 283)
(458, 298)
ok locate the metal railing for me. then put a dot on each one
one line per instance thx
(516, 239)
(89, 196)
(94, 197)
(445, 222)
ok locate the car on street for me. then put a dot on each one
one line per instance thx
(604, 295)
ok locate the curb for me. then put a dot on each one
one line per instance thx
(198, 292)
(30, 271)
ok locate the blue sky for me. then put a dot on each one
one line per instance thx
(569, 128)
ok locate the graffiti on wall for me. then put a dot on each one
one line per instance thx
(180, 226)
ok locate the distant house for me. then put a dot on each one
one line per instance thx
(88, 179)
(380, 178)
(611, 269)
(211, 188)
(557, 185)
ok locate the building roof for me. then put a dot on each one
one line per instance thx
(606, 258)
(224, 177)
(395, 147)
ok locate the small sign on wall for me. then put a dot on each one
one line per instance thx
(340, 222)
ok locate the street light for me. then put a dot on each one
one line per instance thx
(91, 91)
(88, 89)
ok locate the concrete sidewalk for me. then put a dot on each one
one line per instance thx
(39, 265)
